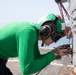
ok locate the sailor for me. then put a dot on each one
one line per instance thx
(20, 39)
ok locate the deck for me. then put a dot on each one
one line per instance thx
(57, 67)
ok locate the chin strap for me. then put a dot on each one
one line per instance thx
(42, 44)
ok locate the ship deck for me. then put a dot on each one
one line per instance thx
(57, 67)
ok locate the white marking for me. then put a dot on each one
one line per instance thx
(57, 64)
(63, 26)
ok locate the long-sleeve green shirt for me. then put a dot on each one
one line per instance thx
(21, 40)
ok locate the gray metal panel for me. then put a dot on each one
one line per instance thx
(72, 6)
(74, 46)
(72, 10)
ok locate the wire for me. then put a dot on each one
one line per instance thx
(60, 5)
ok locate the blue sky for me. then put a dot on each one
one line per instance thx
(27, 10)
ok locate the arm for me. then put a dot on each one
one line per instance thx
(26, 45)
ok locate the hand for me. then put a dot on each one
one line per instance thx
(62, 50)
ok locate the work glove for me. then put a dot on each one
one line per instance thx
(62, 50)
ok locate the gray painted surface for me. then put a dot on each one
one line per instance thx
(57, 67)
(72, 11)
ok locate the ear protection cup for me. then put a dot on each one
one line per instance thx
(45, 32)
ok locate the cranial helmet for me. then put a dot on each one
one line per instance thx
(57, 27)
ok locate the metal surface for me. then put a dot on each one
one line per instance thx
(57, 67)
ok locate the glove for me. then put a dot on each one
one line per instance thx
(62, 50)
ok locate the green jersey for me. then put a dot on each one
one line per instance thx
(21, 40)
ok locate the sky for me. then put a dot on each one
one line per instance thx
(28, 10)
